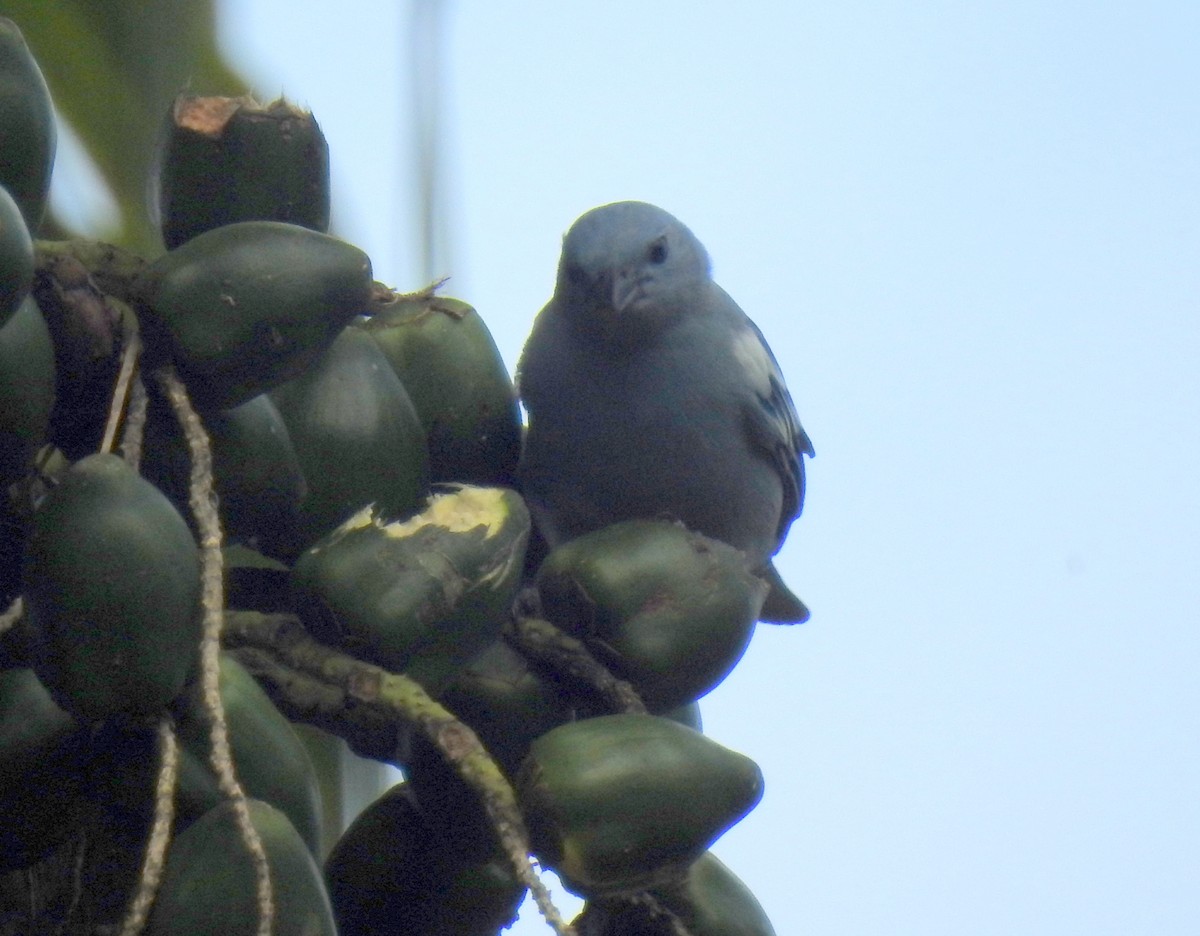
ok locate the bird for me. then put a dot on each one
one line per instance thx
(650, 394)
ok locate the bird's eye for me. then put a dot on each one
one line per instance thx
(658, 251)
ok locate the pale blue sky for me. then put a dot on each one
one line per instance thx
(970, 232)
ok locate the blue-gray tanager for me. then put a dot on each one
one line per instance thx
(651, 394)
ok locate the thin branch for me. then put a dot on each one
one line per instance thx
(212, 600)
(121, 393)
(135, 423)
(160, 833)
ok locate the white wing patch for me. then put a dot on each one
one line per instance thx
(755, 360)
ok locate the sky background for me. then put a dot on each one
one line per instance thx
(970, 233)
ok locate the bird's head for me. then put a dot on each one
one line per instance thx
(629, 269)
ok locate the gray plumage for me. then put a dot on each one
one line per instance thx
(650, 393)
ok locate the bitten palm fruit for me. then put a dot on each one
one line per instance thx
(272, 762)
(41, 757)
(112, 591)
(27, 375)
(226, 159)
(248, 306)
(16, 257)
(446, 358)
(429, 883)
(256, 472)
(419, 596)
(624, 802)
(209, 884)
(356, 434)
(27, 118)
(665, 608)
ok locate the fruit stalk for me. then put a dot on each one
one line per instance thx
(160, 833)
(212, 600)
(571, 661)
(404, 698)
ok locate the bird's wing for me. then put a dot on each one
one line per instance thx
(772, 424)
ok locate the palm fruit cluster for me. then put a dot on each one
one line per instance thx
(362, 448)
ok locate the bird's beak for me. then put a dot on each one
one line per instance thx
(626, 288)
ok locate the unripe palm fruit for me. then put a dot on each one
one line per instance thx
(27, 118)
(624, 802)
(272, 762)
(505, 702)
(209, 884)
(446, 358)
(508, 706)
(419, 596)
(41, 759)
(710, 901)
(248, 306)
(27, 375)
(226, 159)
(256, 472)
(396, 872)
(357, 437)
(16, 257)
(665, 608)
(112, 591)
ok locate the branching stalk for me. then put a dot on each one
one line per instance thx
(404, 699)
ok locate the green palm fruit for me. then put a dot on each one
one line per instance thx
(419, 596)
(256, 473)
(112, 590)
(506, 703)
(665, 608)
(248, 306)
(625, 802)
(710, 901)
(713, 901)
(27, 376)
(272, 762)
(41, 760)
(16, 257)
(226, 159)
(27, 118)
(507, 706)
(209, 885)
(357, 436)
(446, 358)
(395, 871)
(121, 772)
